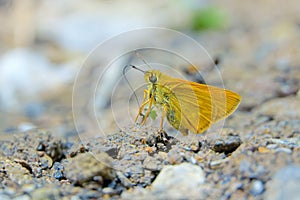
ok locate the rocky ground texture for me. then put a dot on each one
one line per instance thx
(255, 156)
(259, 162)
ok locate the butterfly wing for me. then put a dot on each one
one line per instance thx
(197, 106)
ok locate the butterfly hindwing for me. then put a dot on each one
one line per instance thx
(197, 106)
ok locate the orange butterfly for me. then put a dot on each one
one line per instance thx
(188, 106)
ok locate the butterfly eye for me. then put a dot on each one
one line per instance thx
(153, 78)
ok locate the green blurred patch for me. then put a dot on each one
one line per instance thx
(208, 18)
(153, 114)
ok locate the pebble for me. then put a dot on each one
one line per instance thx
(152, 164)
(272, 146)
(263, 150)
(227, 145)
(236, 186)
(179, 181)
(192, 160)
(284, 150)
(257, 188)
(58, 171)
(174, 157)
(124, 180)
(56, 150)
(290, 142)
(108, 190)
(284, 184)
(46, 162)
(218, 163)
(98, 179)
(85, 166)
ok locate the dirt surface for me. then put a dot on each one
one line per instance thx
(127, 163)
(255, 156)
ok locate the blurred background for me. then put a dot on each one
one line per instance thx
(43, 44)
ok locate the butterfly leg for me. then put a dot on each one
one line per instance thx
(163, 115)
(142, 106)
(162, 119)
(140, 110)
(162, 135)
(148, 111)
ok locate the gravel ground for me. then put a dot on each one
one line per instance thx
(256, 156)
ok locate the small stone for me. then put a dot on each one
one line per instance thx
(41, 147)
(174, 157)
(193, 160)
(290, 142)
(179, 181)
(37, 172)
(98, 179)
(263, 150)
(195, 147)
(46, 162)
(56, 150)
(124, 180)
(227, 145)
(284, 150)
(236, 186)
(218, 163)
(272, 146)
(152, 164)
(161, 147)
(257, 188)
(85, 166)
(147, 179)
(108, 190)
(150, 150)
(58, 175)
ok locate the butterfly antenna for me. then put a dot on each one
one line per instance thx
(140, 57)
(124, 74)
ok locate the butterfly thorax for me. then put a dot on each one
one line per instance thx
(157, 91)
(163, 97)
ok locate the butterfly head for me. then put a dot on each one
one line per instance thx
(152, 76)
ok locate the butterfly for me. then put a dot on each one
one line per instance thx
(188, 106)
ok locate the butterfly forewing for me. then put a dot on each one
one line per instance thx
(195, 106)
